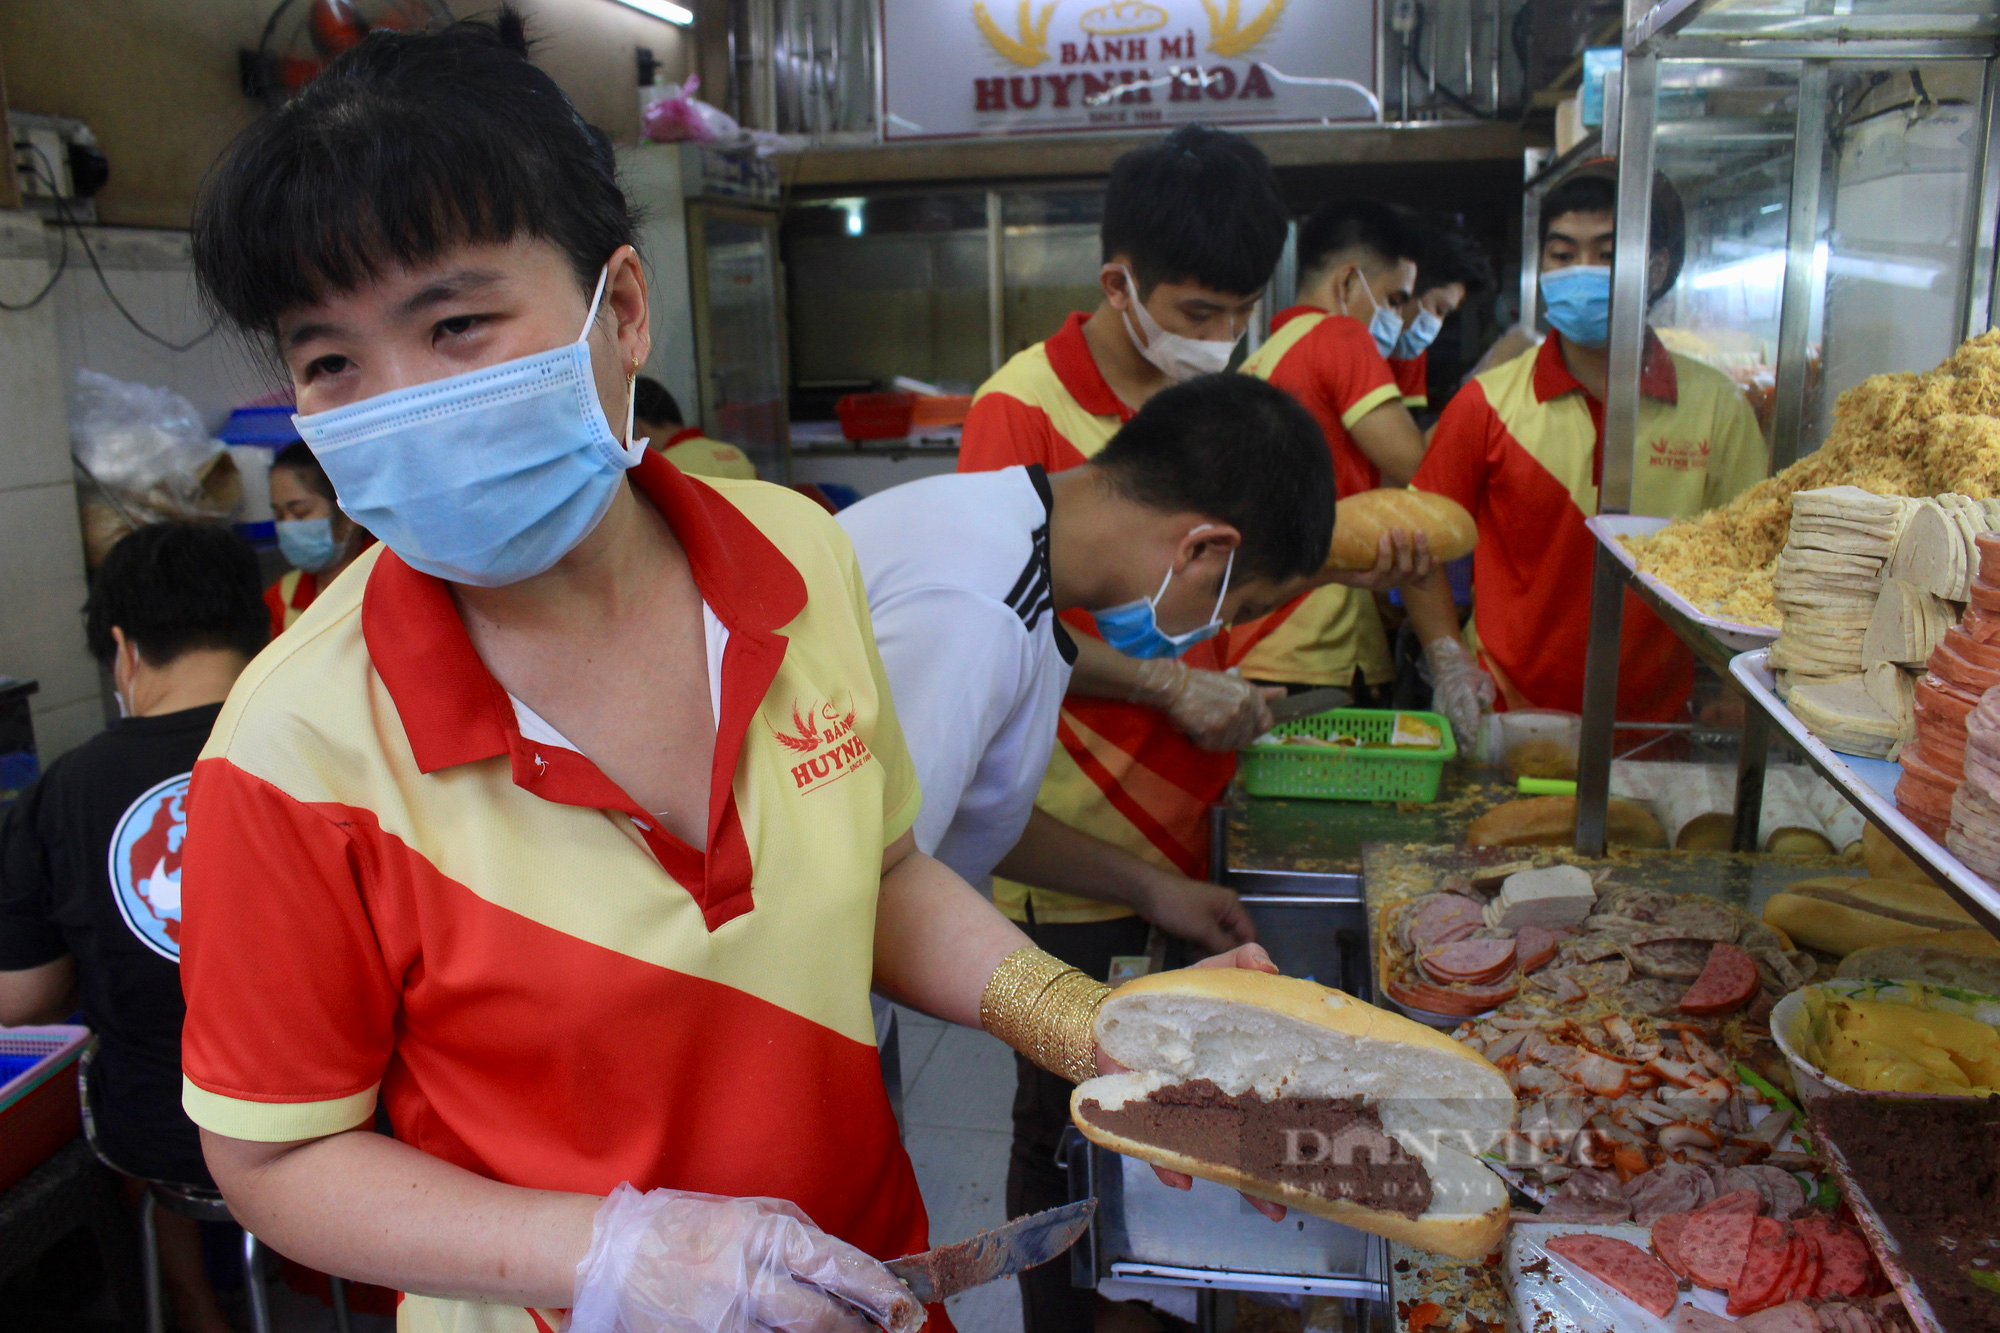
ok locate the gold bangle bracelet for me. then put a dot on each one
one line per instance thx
(1046, 1010)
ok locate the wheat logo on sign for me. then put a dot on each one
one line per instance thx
(827, 738)
(1028, 49)
(145, 865)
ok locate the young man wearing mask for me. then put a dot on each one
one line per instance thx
(1193, 227)
(1522, 448)
(90, 860)
(1329, 352)
(1450, 268)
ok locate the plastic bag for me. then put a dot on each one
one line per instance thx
(145, 456)
(682, 118)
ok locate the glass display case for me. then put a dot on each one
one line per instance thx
(1836, 159)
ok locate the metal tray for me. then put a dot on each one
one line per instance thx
(1608, 528)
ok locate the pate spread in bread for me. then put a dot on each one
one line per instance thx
(1305, 1096)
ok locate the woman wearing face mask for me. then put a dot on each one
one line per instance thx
(572, 826)
(317, 539)
(1522, 445)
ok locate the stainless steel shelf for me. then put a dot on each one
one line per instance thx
(1870, 786)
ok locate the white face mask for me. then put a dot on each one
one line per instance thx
(1178, 357)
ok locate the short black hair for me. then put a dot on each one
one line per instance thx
(1450, 255)
(407, 145)
(297, 458)
(1593, 188)
(1241, 451)
(1353, 224)
(1201, 205)
(652, 402)
(175, 587)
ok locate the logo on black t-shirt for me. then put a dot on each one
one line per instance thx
(145, 865)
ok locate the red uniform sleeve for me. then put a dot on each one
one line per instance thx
(1002, 431)
(1349, 370)
(275, 604)
(291, 1005)
(1464, 450)
(1413, 376)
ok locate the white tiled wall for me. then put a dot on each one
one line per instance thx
(41, 549)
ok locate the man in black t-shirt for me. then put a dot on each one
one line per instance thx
(90, 857)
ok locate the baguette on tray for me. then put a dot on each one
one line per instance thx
(1550, 821)
(1360, 521)
(1292, 1092)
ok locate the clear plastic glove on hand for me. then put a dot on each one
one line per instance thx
(1214, 709)
(668, 1261)
(1459, 689)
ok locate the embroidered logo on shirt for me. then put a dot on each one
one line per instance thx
(827, 737)
(145, 865)
(1678, 455)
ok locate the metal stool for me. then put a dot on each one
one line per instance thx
(202, 1205)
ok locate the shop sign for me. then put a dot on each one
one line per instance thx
(960, 67)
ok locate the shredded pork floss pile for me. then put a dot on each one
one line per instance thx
(1902, 434)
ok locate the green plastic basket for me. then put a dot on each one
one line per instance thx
(1370, 771)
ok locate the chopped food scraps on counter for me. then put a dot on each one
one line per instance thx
(1925, 1177)
(1902, 434)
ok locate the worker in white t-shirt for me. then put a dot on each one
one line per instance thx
(1214, 504)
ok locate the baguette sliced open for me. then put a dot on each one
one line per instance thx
(1303, 1095)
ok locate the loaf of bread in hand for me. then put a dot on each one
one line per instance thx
(1360, 522)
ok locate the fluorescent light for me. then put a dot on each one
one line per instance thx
(662, 9)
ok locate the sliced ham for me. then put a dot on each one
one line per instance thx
(1728, 981)
(1713, 1246)
(1670, 1187)
(1455, 1001)
(1780, 1190)
(1846, 1263)
(1789, 1318)
(1621, 1266)
(1471, 962)
(1748, 1201)
(1765, 1275)
(1534, 946)
(1589, 1195)
(1667, 1240)
(1445, 919)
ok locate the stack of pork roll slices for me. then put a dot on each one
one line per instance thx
(1960, 670)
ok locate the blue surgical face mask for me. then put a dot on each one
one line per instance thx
(1418, 334)
(485, 478)
(1579, 303)
(1133, 630)
(308, 543)
(1385, 326)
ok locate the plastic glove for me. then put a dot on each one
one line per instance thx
(1459, 689)
(1214, 709)
(668, 1261)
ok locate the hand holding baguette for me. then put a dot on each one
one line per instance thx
(1374, 523)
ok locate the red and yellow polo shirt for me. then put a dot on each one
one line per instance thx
(391, 893)
(1329, 363)
(1522, 448)
(691, 451)
(1413, 379)
(1120, 772)
(288, 598)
